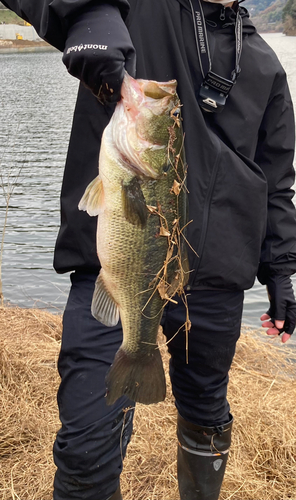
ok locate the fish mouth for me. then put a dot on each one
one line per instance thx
(138, 90)
(138, 98)
(158, 90)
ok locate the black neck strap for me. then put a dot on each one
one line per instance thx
(201, 38)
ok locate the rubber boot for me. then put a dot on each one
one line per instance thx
(202, 457)
(116, 495)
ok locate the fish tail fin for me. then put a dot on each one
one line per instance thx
(141, 378)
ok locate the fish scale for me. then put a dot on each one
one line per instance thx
(132, 267)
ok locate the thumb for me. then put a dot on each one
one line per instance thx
(285, 338)
(279, 324)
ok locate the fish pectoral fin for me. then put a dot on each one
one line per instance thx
(134, 203)
(93, 199)
(140, 377)
(103, 307)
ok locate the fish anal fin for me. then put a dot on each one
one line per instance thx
(93, 199)
(134, 204)
(103, 307)
(139, 377)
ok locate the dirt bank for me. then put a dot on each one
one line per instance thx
(23, 45)
(262, 395)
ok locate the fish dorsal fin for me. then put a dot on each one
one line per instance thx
(93, 199)
(134, 204)
(103, 307)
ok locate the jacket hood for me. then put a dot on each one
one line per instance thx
(220, 17)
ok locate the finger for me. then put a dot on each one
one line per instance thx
(290, 322)
(267, 324)
(285, 337)
(264, 317)
(272, 331)
(279, 305)
(279, 324)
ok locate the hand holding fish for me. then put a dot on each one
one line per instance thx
(98, 50)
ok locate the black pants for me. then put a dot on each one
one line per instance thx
(92, 442)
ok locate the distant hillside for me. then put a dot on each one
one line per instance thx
(289, 18)
(9, 17)
(257, 6)
(267, 15)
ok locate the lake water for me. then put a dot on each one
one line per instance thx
(36, 107)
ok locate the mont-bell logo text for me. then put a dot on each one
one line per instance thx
(200, 32)
(87, 46)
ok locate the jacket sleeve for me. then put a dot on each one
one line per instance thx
(275, 152)
(52, 18)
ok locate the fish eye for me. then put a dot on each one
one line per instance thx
(166, 167)
(176, 112)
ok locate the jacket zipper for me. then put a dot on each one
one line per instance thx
(222, 14)
(206, 216)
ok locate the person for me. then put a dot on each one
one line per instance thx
(239, 146)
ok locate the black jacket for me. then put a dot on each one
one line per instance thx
(240, 161)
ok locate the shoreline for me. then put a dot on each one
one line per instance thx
(16, 46)
(26, 46)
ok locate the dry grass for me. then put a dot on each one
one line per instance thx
(262, 394)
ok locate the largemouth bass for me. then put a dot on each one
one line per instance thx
(140, 198)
